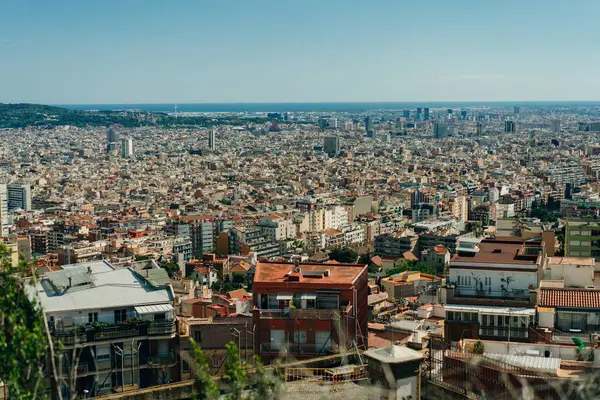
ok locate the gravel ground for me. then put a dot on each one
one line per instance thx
(341, 391)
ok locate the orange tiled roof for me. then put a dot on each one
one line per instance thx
(569, 297)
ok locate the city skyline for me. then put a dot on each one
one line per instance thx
(264, 52)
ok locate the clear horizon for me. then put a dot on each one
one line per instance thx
(147, 52)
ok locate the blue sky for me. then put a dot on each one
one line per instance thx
(145, 51)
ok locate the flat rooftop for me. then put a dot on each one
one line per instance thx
(571, 260)
(277, 272)
(499, 252)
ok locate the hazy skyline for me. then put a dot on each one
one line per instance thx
(297, 51)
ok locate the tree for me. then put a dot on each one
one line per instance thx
(235, 372)
(344, 255)
(205, 387)
(23, 340)
(413, 266)
(171, 267)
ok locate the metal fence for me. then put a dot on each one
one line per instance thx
(349, 373)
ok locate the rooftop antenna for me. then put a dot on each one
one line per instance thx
(175, 107)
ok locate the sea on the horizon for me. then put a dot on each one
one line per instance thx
(316, 107)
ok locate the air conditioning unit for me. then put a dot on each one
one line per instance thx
(596, 337)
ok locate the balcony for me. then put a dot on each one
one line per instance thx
(561, 337)
(81, 370)
(161, 360)
(502, 331)
(299, 349)
(516, 297)
(105, 331)
(161, 328)
(304, 313)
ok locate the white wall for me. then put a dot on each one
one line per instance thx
(498, 347)
(520, 280)
(573, 275)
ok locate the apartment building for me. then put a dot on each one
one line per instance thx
(277, 227)
(582, 238)
(307, 310)
(492, 289)
(116, 325)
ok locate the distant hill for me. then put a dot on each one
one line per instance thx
(24, 115)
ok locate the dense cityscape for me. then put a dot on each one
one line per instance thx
(412, 253)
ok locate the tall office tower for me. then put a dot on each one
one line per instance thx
(369, 126)
(19, 196)
(509, 126)
(126, 148)
(419, 110)
(555, 125)
(111, 136)
(211, 139)
(440, 130)
(516, 110)
(449, 111)
(3, 209)
(332, 145)
(333, 123)
(463, 114)
(479, 128)
(406, 113)
(388, 138)
(426, 116)
(322, 123)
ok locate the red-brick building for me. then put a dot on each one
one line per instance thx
(309, 310)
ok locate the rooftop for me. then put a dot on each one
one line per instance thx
(569, 298)
(394, 354)
(501, 252)
(273, 272)
(106, 288)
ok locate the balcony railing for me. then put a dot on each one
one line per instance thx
(82, 369)
(162, 359)
(161, 328)
(299, 349)
(567, 337)
(502, 331)
(303, 313)
(92, 333)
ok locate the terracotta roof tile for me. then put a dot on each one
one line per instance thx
(569, 298)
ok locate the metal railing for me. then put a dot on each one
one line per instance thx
(81, 369)
(162, 359)
(302, 313)
(161, 328)
(348, 373)
(115, 333)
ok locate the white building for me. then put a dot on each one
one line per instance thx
(354, 234)
(3, 210)
(126, 148)
(335, 217)
(118, 323)
(277, 227)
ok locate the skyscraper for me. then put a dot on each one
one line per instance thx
(479, 128)
(19, 196)
(3, 209)
(111, 136)
(440, 130)
(211, 139)
(516, 110)
(369, 126)
(555, 125)
(126, 147)
(426, 116)
(332, 145)
(509, 126)
(406, 113)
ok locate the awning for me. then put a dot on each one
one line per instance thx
(308, 296)
(153, 309)
(285, 296)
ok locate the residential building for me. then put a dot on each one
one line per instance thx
(3, 209)
(116, 325)
(19, 196)
(492, 289)
(211, 139)
(582, 238)
(438, 256)
(242, 241)
(307, 310)
(212, 335)
(409, 283)
(396, 244)
(277, 227)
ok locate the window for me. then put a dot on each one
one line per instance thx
(186, 366)
(574, 243)
(322, 341)
(216, 362)
(92, 317)
(159, 317)
(450, 315)
(277, 336)
(577, 233)
(572, 321)
(120, 316)
(300, 337)
(458, 281)
(484, 320)
(197, 336)
(100, 357)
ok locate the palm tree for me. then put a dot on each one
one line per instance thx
(507, 281)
